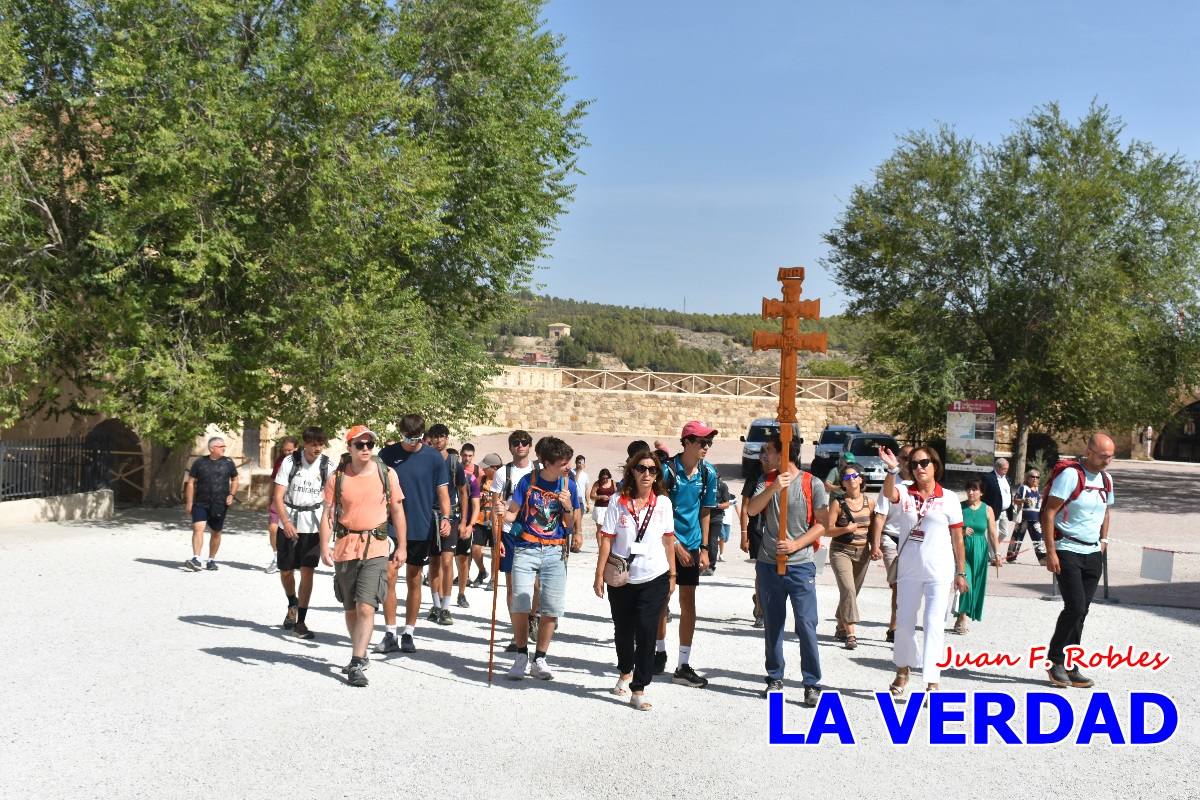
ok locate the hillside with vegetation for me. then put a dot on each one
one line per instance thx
(667, 341)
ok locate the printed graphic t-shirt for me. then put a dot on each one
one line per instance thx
(541, 511)
(212, 478)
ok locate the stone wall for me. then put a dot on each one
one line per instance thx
(534, 399)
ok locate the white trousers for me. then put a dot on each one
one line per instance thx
(909, 594)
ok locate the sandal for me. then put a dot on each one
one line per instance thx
(960, 627)
(840, 635)
(638, 702)
(622, 687)
(900, 682)
(851, 642)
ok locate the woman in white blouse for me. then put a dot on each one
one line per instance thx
(931, 562)
(638, 527)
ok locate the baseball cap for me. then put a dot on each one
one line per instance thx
(849, 458)
(697, 428)
(492, 460)
(357, 431)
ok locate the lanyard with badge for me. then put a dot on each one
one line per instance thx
(917, 533)
(637, 547)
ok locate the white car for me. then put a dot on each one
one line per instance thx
(760, 430)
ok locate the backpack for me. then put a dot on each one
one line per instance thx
(1061, 467)
(806, 487)
(676, 466)
(454, 462)
(337, 493)
(517, 526)
(508, 484)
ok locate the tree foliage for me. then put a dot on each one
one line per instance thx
(217, 211)
(1055, 271)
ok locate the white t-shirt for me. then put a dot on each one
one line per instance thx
(1005, 491)
(306, 490)
(927, 551)
(583, 481)
(621, 526)
(890, 513)
(513, 473)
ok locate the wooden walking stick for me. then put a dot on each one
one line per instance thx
(497, 533)
(790, 341)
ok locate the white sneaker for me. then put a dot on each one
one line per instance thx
(541, 670)
(520, 667)
(273, 567)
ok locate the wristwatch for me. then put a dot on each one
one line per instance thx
(960, 574)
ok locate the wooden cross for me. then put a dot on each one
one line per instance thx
(788, 342)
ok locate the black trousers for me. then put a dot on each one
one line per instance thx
(636, 608)
(1077, 579)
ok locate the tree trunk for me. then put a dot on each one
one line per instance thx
(168, 468)
(1020, 451)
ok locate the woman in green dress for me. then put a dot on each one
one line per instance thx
(979, 541)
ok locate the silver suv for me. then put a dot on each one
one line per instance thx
(760, 430)
(830, 445)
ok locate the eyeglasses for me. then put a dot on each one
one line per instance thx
(521, 443)
(703, 442)
(645, 469)
(920, 462)
(366, 444)
(849, 476)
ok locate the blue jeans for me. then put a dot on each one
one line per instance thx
(774, 590)
(531, 562)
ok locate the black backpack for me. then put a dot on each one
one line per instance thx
(297, 461)
(675, 466)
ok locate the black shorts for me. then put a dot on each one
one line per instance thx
(688, 576)
(213, 514)
(462, 547)
(482, 536)
(755, 541)
(443, 544)
(418, 553)
(303, 551)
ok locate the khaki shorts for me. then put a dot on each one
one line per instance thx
(360, 581)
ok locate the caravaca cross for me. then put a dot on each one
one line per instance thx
(789, 342)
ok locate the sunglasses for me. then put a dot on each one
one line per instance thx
(366, 444)
(642, 469)
(1035, 476)
(703, 442)
(849, 476)
(521, 443)
(923, 463)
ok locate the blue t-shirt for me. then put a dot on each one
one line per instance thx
(420, 473)
(687, 502)
(543, 515)
(1081, 519)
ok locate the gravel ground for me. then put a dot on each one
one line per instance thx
(137, 679)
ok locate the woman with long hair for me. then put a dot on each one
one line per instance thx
(600, 493)
(637, 563)
(980, 546)
(848, 519)
(930, 562)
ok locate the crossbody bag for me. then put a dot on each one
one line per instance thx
(616, 568)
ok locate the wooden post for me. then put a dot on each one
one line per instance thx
(790, 341)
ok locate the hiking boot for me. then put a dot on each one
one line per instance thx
(444, 617)
(1058, 676)
(212, 565)
(520, 667)
(811, 695)
(462, 601)
(708, 573)
(406, 643)
(433, 614)
(772, 686)
(388, 645)
(291, 619)
(273, 567)
(541, 670)
(1079, 680)
(302, 632)
(355, 676)
(660, 662)
(193, 564)
(346, 669)
(686, 676)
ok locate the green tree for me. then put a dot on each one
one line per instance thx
(1054, 271)
(217, 211)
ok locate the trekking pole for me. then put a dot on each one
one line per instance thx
(497, 533)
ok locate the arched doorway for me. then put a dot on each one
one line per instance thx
(1179, 440)
(119, 460)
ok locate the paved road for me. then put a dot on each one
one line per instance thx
(128, 677)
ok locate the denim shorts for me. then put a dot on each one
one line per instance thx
(534, 562)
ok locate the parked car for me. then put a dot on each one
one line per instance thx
(829, 447)
(865, 449)
(759, 430)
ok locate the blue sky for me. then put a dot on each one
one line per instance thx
(725, 137)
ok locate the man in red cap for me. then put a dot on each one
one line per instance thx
(692, 486)
(360, 497)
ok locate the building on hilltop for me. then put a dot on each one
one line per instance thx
(559, 330)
